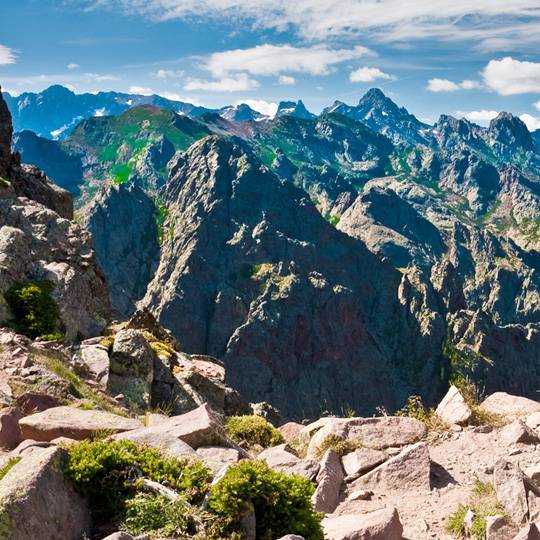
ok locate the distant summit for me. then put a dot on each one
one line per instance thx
(381, 114)
(294, 108)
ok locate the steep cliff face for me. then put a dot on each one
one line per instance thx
(123, 221)
(303, 315)
(38, 242)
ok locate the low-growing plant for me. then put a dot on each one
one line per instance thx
(414, 408)
(107, 472)
(473, 397)
(160, 517)
(9, 465)
(483, 503)
(35, 312)
(339, 445)
(249, 431)
(282, 503)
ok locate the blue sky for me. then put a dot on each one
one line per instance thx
(432, 56)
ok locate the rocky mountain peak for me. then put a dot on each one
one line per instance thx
(294, 108)
(240, 113)
(509, 130)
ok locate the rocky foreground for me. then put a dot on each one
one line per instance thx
(461, 469)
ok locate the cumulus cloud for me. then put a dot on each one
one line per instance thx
(275, 59)
(238, 83)
(530, 121)
(537, 105)
(286, 80)
(480, 117)
(445, 85)
(73, 66)
(267, 108)
(490, 24)
(509, 76)
(369, 74)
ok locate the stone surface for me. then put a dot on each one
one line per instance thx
(119, 536)
(291, 431)
(32, 402)
(529, 532)
(453, 409)
(131, 369)
(197, 428)
(379, 525)
(508, 405)
(37, 502)
(498, 528)
(360, 461)
(10, 432)
(519, 432)
(510, 489)
(410, 469)
(379, 432)
(279, 457)
(329, 482)
(216, 457)
(73, 423)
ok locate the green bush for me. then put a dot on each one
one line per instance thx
(248, 431)
(282, 503)
(107, 472)
(34, 310)
(158, 517)
(9, 465)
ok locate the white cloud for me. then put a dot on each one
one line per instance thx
(239, 83)
(369, 74)
(490, 24)
(286, 80)
(100, 112)
(169, 73)
(480, 117)
(537, 105)
(445, 85)
(508, 76)
(141, 90)
(100, 78)
(264, 107)
(73, 66)
(7, 56)
(531, 122)
(275, 59)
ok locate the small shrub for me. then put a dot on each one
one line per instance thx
(158, 517)
(34, 309)
(473, 396)
(107, 472)
(456, 522)
(9, 465)
(282, 503)
(249, 431)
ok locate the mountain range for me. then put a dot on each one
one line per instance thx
(348, 259)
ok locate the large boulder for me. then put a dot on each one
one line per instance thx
(329, 482)
(508, 480)
(132, 368)
(509, 406)
(379, 525)
(36, 501)
(73, 423)
(519, 432)
(217, 457)
(378, 432)
(10, 432)
(410, 469)
(361, 461)
(200, 427)
(453, 409)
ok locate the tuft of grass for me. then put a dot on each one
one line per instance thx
(249, 431)
(483, 503)
(9, 465)
(55, 365)
(338, 445)
(414, 408)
